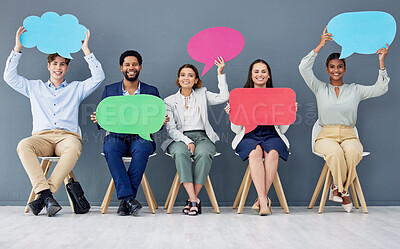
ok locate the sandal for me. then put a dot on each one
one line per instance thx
(186, 209)
(194, 204)
(332, 197)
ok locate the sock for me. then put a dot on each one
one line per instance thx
(45, 193)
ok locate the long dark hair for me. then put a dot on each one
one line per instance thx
(250, 83)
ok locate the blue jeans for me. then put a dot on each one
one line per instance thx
(117, 146)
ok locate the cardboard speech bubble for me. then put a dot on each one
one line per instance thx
(52, 33)
(362, 32)
(140, 114)
(262, 106)
(211, 43)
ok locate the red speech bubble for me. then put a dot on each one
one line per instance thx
(208, 44)
(262, 106)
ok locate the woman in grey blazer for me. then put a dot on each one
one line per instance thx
(190, 135)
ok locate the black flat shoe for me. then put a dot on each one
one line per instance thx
(52, 206)
(37, 205)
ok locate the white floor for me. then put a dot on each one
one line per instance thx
(302, 228)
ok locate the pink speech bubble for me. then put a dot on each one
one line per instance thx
(262, 106)
(208, 44)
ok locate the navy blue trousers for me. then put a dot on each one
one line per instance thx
(117, 146)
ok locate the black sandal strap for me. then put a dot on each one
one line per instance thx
(186, 210)
(194, 212)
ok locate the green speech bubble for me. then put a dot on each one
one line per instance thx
(134, 114)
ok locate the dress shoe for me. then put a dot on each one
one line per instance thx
(123, 208)
(37, 205)
(348, 206)
(266, 211)
(133, 206)
(256, 205)
(52, 206)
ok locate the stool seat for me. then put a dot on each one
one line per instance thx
(145, 186)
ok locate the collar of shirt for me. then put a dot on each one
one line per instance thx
(127, 93)
(64, 84)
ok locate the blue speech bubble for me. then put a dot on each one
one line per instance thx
(362, 32)
(52, 33)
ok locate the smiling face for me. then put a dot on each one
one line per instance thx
(259, 75)
(57, 68)
(187, 78)
(131, 68)
(336, 69)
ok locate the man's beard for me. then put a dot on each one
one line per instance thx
(131, 78)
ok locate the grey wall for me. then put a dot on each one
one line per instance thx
(282, 32)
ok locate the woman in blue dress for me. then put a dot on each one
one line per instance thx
(264, 145)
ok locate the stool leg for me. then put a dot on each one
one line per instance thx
(170, 193)
(175, 188)
(69, 198)
(319, 186)
(328, 180)
(354, 196)
(360, 194)
(71, 175)
(107, 197)
(152, 198)
(279, 192)
(245, 192)
(239, 194)
(211, 195)
(45, 164)
(145, 187)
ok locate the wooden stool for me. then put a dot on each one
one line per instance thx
(151, 201)
(46, 164)
(327, 176)
(173, 192)
(244, 190)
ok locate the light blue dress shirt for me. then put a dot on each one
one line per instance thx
(126, 93)
(54, 108)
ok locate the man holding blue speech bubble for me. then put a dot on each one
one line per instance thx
(55, 108)
(118, 145)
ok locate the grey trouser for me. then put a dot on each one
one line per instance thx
(203, 154)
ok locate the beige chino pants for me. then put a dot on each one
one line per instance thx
(62, 143)
(342, 152)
